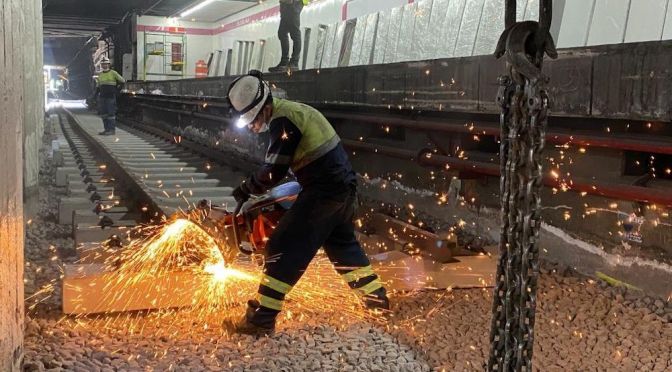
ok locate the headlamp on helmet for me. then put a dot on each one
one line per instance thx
(247, 96)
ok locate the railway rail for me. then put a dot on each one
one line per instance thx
(215, 110)
(143, 173)
(114, 183)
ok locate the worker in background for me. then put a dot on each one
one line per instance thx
(302, 139)
(290, 25)
(108, 80)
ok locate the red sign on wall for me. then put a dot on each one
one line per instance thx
(176, 30)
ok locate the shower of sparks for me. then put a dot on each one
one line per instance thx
(178, 268)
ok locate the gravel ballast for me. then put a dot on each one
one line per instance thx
(581, 325)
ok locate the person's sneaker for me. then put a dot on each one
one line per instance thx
(282, 66)
(103, 133)
(373, 302)
(245, 325)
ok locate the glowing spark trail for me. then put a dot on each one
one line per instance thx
(178, 268)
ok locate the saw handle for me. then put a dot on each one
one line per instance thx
(236, 233)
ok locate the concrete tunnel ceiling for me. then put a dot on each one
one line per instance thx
(79, 18)
(70, 25)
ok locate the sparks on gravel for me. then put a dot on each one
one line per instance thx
(218, 289)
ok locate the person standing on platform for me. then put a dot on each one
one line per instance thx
(290, 25)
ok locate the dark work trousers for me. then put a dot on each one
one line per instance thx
(315, 220)
(108, 111)
(290, 25)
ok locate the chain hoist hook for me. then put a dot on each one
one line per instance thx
(523, 100)
(525, 43)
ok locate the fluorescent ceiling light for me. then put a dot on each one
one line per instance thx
(196, 7)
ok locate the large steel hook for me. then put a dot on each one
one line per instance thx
(525, 43)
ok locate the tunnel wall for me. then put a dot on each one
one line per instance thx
(338, 33)
(33, 85)
(624, 81)
(13, 16)
(21, 128)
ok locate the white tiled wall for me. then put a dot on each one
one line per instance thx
(646, 22)
(329, 47)
(399, 30)
(667, 29)
(471, 21)
(531, 10)
(369, 35)
(421, 43)
(434, 30)
(492, 22)
(380, 42)
(451, 28)
(358, 42)
(396, 17)
(405, 42)
(608, 23)
(579, 14)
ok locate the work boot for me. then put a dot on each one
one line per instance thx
(246, 326)
(377, 302)
(282, 66)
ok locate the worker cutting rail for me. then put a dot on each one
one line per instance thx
(301, 139)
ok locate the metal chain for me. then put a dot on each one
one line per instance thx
(524, 107)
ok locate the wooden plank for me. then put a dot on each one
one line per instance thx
(412, 238)
(402, 272)
(89, 289)
(375, 244)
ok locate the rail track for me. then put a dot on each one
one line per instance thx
(149, 170)
(114, 183)
(214, 110)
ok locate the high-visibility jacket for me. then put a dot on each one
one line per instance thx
(318, 137)
(107, 82)
(302, 139)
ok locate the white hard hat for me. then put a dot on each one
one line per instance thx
(104, 60)
(247, 96)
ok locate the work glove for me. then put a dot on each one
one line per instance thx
(240, 194)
